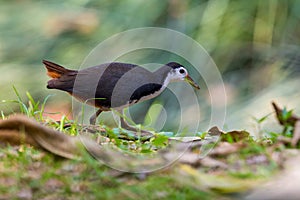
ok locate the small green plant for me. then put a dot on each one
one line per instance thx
(288, 125)
(285, 119)
(259, 122)
(285, 115)
(33, 108)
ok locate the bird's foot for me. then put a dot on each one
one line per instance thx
(138, 132)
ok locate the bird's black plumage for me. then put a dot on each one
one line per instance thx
(110, 85)
(174, 65)
(114, 85)
(145, 90)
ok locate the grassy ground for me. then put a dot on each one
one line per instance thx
(236, 165)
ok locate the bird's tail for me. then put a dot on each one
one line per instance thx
(54, 70)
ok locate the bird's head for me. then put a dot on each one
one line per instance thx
(179, 73)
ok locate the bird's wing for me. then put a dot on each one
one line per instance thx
(111, 83)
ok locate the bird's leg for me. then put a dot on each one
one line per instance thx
(94, 117)
(128, 127)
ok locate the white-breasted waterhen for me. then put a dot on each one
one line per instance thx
(115, 85)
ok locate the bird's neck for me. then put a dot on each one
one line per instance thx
(162, 75)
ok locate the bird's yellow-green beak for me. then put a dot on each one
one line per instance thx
(191, 82)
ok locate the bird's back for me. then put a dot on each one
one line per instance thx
(109, 85)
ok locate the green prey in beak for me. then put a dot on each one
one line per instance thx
(191, 82)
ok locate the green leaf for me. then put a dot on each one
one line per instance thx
(160, 140)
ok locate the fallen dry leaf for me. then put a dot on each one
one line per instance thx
(213, 163)
(226, 148)
(201, 180)
(235, 136)
(195, 160)
(215, 131)
(21, 129)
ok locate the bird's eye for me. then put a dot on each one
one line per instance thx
(181, 71)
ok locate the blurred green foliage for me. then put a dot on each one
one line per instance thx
(248, 40)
